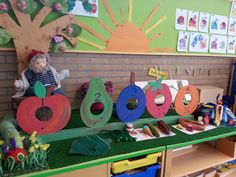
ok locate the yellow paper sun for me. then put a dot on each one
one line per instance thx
(127, 37)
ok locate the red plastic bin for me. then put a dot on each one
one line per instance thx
(150, 172)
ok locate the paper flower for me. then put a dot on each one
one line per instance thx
(22, 5)
(3, 6)
(57, 6)
(69, 30)
(57, 39)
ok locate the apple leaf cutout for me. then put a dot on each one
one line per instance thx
(39, 90)
(156, 85)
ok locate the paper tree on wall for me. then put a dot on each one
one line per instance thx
(24, 21)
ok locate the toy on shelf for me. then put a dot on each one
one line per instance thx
(191, 125)
(218, 114)
(39, 69)
(20, 154)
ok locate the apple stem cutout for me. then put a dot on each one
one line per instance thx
(43, 113)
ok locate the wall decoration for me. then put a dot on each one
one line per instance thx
(85, 8)
(183, 41)
(232, 26)
(231, 44)
(192, 24)
(198, 42)
(218, 44)
(181, 19)
(124, 26)
(218, 24)
(204, 19)
(233, 10)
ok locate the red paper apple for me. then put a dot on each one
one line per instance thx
(43, 114)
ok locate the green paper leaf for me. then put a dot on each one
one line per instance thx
(40, 90)
(76, 30)
(156, 85)
(27, 6)
(5, 36)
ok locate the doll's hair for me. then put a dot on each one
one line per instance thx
(34, 60)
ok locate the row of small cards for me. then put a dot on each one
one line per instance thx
(201, 42)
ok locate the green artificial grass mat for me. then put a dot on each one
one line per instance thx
(59, 156)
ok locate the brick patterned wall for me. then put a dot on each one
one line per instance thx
(203, 71)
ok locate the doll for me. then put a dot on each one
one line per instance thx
(39, 69)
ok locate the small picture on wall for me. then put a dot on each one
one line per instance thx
(198, 42)
(181, 19)
(192, 20)
(183, 41)
(231, 45)
(233, 10)
(218, 44)
(204, 19)
(218, 24)
(232, 26)
(85, 8)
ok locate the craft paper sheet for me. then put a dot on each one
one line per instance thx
(233, 10)
(181, 19)
(85, 8)
(198, 42)
(192, 24)
(218, 44)
(183, 41)
(232, 26)
(218, 24)
(204, 19)
(231, 45)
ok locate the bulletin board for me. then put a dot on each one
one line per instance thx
(139, 26)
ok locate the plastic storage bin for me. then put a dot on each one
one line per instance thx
(124, 165)
(149, 172)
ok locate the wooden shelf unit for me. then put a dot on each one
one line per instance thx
(201, 157)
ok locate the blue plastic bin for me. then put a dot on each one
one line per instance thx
(149, 172)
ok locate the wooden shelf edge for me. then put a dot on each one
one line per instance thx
(204, 157)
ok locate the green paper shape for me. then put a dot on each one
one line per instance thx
(156, 85)
(40, 90)
(5, 36)
(31, 6)
(96, 93)
(76, 30)
(92, 145)
(7, 7)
